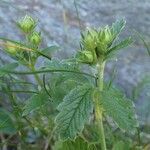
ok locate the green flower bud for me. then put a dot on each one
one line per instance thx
(105, 35)
(35, 38)
(27, 24)
(11, 48)
(101, 48)
(105, 39)
(85, 56)
(89, 40)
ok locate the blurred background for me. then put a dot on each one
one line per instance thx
(61, 22)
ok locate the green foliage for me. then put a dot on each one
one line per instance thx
(147, 46)
(36, 102)
(61, 65)
(120, 145)
(78, 144)
(119, 46)
(61, 84)
(90, 133)
(74, 112)
(6, 122)
(121, 109)
(100, 44)
(50, 50)
(9, 67)
(117, 27)
(65, 103)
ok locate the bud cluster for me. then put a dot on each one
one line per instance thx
(94, 44)
(33, 39)
(98, 44)
(27, 25)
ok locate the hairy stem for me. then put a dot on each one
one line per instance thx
(99, 110)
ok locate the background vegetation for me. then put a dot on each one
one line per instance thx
(61, 23)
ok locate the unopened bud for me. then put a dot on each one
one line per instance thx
(85, 56)
(27, 24)
(89, 40)
(35, 38)
(105, 35)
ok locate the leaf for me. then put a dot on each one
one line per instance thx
(74, 112)
(90, 133)
(144, 42)
(120, 145)
(12, 41)
(78, 144)
(6, 123)
(61, 65)
(55, 66)
(35, 102)
(117, 27)
(49, 50)
(119, 108)
(24, 47)
(9, 67)
(61, 84)
(120, 45)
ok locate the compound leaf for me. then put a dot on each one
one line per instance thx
(74, 112)
(121, 45)
(117, 27)
(119, 108)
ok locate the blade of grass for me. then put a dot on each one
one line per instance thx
(144, 42)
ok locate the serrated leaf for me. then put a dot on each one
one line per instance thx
(74, 112)
(35, 102)
(119, 108)
(117, 27)
(9, 67)
(120, 45)
(61, 65)
(6, 123)
(78, 144)
(61, 84)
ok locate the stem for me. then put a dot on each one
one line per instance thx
(36, 76)
(47, 71)
(100, 69)
(99, 110)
